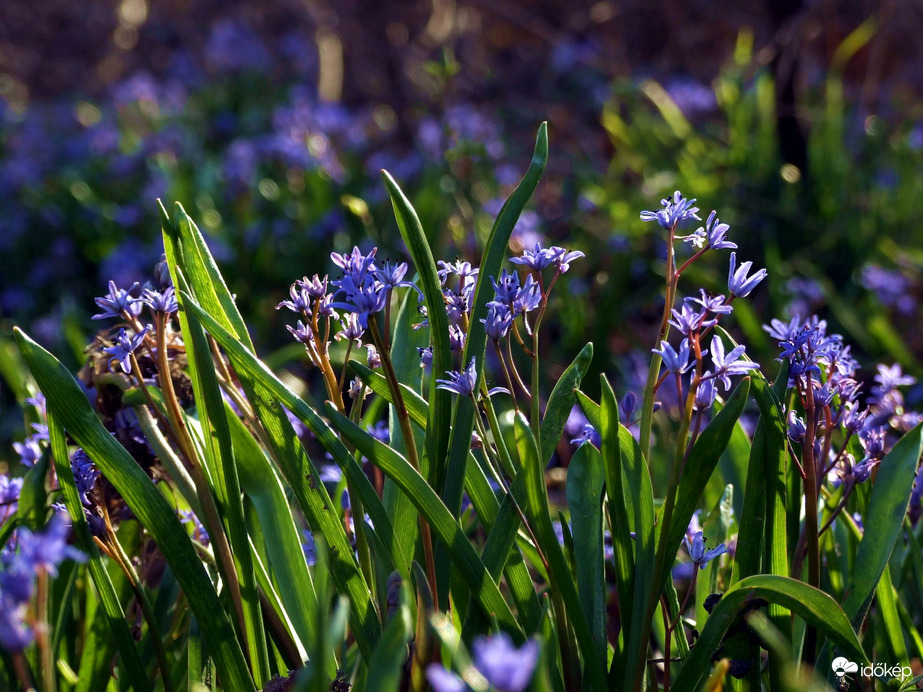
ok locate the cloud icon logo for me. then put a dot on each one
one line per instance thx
(842, 665)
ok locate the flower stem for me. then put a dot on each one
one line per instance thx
(407, 432)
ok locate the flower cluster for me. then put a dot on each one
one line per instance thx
(697, 316)
(36, 554)
(823, 373)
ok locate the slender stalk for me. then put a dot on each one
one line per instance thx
(117, 553)
(647, 405)
(506, 374)
(187, 447)
(22, 671)
(407, 433)
(46, 655)
(515, 370)
(810, 514)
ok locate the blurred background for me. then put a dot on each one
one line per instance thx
(800, 121)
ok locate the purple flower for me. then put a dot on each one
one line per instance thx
(727, 365)
(29, 451)
(164, 302)
(538, 258)
(503, 665)
(426, 356)
(392, 276)
(705, 393)
(889, 378)
(442, 680)
(44, 551)
(677, 363)
(302, 332)
(527, 298)
(351, 329)
(85, 474)
(796, 427)
(715, 304)
(697, 552)
(315, 287)
(461, 383)
(15, 634)
(687, 320)
(590, 435)
(117, 302)
(499, 320)
(301, 299)
(506, 287)
(780, 331)
(739, 284)
(713, 234)
(562, 262)
(674, 212)
(10, 489)
(124, 347)
(199, 534)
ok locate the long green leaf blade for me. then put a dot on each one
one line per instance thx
(816, 607)
(111, 607)
(66, 399)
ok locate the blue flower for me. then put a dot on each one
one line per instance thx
(164, 302)
(674, 212)
(117, 302)
(796, 427)
(499, 320)
(506, 287)
(124, 347)
(462, 383)
(727, 365)
(688, 320)
(392, 276)
(527, 298)
(301, 299)
(677, 363)
(442, 680)
(697, 552)
(45, 550)
(302, 332)
(738, 283)
(29, 451)
(503, 665)
(705, 394)
(713, 234)
(590, 435)
(85, 474)
(15, 634)
(538, 258)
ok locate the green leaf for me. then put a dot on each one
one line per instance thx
(816, 607)
(586, 480)
(387, 662)
(298, 469)
(476, 341)
(440, 409)
(887, 507)
(201, 270)
(260, 483)
(441, 521)
(117, 626)
(66, 400)
(561, 582)
(562, 400)
(223, 474)
(699, 466)
(618, 523)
